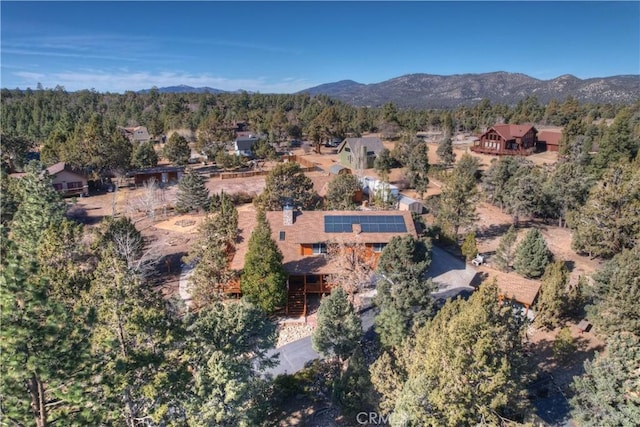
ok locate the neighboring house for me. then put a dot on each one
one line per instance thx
(136, 134)
(302, 237)
(523, 292)
(243, 145)
(507, 140)
(549, 139)
(408, 204)
(359, 153)
(65, 180)
(162, 174)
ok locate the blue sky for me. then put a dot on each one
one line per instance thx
(284, 47)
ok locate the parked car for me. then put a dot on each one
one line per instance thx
(295, 143)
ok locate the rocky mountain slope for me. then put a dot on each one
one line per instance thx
(433, 91)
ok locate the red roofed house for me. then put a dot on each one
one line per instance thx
(507, 140)
(302, 237)
(549, 139)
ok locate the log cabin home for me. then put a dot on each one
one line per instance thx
(303, 238)
(507, 140)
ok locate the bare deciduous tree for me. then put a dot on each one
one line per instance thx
(355, 263)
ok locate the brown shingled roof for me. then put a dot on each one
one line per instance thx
(512, 131)
(308, 228)
(551, 137)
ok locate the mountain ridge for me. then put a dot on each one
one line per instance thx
(421, 90)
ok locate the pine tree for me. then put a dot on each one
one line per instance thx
(388, 377)
(177, 150)
(226, 349)
(564, 345)
(222, 204)
(210, 254)
(341, 192)
(458, 201)
(403, 292)
(532, 255)
(506, 250)
(45, 366)
(264, 279)
(192, 193)
(445, 151)
(607, 393)
(418, 168)
(610, 219)
(353, 391)
(39, 208)
(383, 163)
(339, 328)
(469, 246)
(144, 156)
(465, 366)
(615, 295)
(552, 300)
(286, 183)
(134, 345)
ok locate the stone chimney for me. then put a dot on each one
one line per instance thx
(288, 216)
(357, 228)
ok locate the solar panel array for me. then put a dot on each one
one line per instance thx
(368, 224)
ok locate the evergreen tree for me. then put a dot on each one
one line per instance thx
(144, 156)
(339, 328)
(607, 393)
(383, 163)
(445, 151)
(418, 168)
(403, 292)
(465, 366)
(610, 219)
(497, 179)
(523, 196)
(619, 142)
(122, 235)
(10, 197)
(177, 150)
(210, 254)
(615, 295)
(222, 204)
(45, 366)
(469, 246)
(388, 377)
(564, 345)
(39, 208)
(264, 278)
(133, 344)
(458, 201)
(226, 350)
(532, 255)
(192, 193)
(341, 190)
(353, 391)
(552, 299)
(505, 252)
(286, 183)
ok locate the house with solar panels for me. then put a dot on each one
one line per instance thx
(303, 236)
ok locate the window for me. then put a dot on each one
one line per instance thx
(319, 248)
(73, 185)
(347, 149)
(58, 187)
(282, 235)
(378, 247)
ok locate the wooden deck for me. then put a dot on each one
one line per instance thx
(482, 150)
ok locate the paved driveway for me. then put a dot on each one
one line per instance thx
(451, 274)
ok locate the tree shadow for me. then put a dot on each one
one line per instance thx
(494, 230)
(550, 389)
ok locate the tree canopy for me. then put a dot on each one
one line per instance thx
(287, 184)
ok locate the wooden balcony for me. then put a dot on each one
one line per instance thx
(484, 150)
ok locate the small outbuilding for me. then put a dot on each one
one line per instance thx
(162, 174)
(339, 170)
(408, 204)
